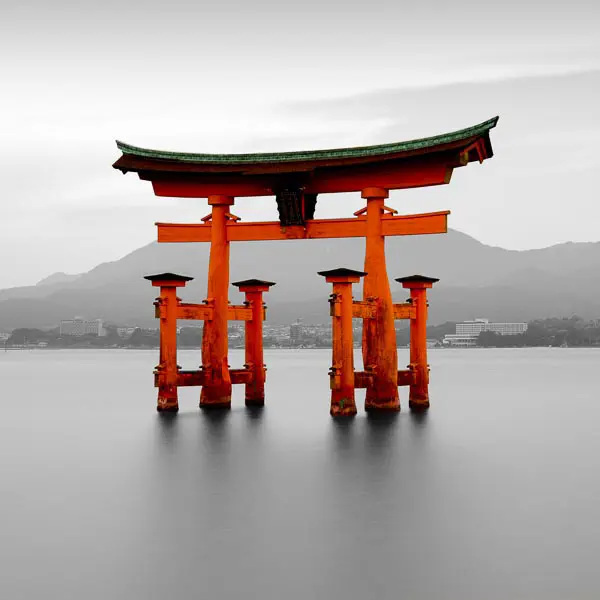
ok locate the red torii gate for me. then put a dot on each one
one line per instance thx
(296, 179)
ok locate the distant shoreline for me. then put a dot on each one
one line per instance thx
(156, 348)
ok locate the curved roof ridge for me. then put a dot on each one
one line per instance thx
(283, 157)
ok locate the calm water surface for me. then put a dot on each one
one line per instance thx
(494, 494)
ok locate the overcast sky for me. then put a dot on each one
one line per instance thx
(267, 76)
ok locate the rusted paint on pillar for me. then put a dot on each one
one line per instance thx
(217, 393)
(419, 389)
(167, 369)
(255, 388)
(380, 355)
(342, 368)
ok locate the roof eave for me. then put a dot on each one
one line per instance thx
(196, 162)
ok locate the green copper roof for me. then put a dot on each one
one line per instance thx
(338, 153)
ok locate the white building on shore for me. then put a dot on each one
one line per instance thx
(467, 332)
(79, 326)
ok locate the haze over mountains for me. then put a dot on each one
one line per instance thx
(476, 280)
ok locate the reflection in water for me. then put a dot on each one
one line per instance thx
(343, 429)
(255, 413)
(108, 499)
(419, 420)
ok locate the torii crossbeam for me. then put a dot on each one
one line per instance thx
(296, 179)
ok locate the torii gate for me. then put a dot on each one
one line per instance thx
(296, 179)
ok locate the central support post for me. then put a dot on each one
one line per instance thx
(217, 392)
(380, 355)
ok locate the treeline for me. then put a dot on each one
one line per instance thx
(572, 332)
(140, 338)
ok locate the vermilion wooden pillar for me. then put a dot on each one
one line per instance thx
(255, 389)
(166, 370)
(217, 393)
(342, 368)
(379, 335)
(419, 390)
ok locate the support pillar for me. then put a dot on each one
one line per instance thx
(167, 369)
(255, 388)
(380, 355)
(419, 389)
(217, 392)
(342, 368)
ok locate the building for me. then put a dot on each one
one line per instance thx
(467, 332)
(79, 326)
(125, 332)
(296, 332)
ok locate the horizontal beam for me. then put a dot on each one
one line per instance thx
(203, 312)
(363, 310)
(426, 223)
(200, 377)
(194, 312)
(406, 377)
(362, 379)
(405, 311)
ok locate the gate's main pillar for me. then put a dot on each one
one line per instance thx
(380, 355)
(217, 392)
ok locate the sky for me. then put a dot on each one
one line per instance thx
(268, 76)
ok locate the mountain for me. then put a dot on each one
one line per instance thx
(476, 280)
(58, 277)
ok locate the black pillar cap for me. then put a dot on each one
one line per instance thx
(416, 279)
(251, 282)
(167, 277)
(341, 272)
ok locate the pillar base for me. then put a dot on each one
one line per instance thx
(167, 408)
(216, 396)
(388, 406)
(349, 410)
(418, 405)
(217, 403)
(255, 401)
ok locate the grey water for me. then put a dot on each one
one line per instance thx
(493, 494)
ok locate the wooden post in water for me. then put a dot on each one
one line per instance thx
(166, 310)
(255, 388)
(380, 355)
(217, 391)
(419, 389)
(342, 368)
